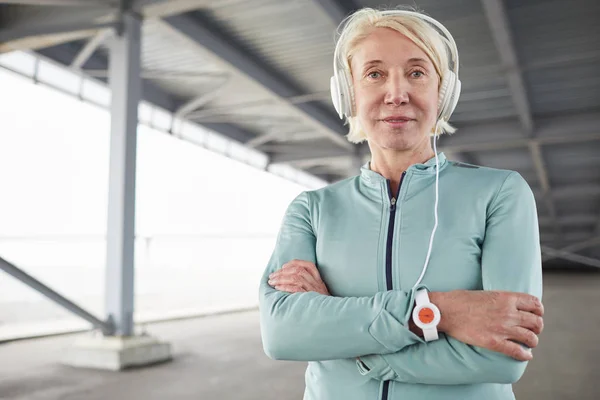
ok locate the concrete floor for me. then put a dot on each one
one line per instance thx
(221, 358)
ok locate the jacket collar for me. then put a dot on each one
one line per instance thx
(426, 168)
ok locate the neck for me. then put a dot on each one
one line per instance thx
(391, 163)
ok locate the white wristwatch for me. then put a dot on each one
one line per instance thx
(426, 315)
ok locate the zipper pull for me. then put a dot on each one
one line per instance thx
(393, 202)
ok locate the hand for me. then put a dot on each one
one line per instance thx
(494, 320)
(298, 276)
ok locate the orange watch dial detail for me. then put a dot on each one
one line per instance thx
(426, 315)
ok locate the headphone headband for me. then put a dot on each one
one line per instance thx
(448, 36)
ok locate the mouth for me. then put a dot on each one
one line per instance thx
(397, 121)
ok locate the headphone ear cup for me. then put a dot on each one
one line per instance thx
(443, 95)
(448, 96)
(336, 96)
(455, 95)
(347, 97)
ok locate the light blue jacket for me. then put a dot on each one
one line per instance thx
(370, 254)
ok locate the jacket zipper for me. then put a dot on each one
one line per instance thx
(388, 255)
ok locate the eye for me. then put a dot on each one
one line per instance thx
(417, 74)
(374, 75)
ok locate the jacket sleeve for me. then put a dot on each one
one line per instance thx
(313, 327)
(511, 261)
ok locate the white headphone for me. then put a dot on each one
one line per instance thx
(342, 94)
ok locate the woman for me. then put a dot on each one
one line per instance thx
(420, 278)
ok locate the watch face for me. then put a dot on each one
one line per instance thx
(426, 315)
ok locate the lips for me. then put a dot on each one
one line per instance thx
(397, 119)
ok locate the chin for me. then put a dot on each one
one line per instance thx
(396, 140)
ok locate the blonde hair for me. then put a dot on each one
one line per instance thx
(361, 24)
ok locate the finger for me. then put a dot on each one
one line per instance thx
(530, 303)
(291, 280)
(531, 321)
(525, 337)
(515, 350)
(313, 271)
(275, 273)
(289, 288)
(306, 272)
(307, 265)
(301, 272)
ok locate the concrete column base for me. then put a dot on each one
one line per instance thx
(117, 353)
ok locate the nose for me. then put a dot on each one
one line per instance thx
(396, 91)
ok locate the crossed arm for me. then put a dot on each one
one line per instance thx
(376, 328)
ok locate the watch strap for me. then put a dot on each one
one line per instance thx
(422, 297)
(430, 334)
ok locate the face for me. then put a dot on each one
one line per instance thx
(396, 91)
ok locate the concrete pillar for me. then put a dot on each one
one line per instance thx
(125, 84)
(123, 348)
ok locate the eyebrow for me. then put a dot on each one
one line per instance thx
(411, 60)
(417, 59)
(372, 62)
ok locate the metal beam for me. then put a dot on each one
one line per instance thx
(20, 22)
(575, 247)
(35, 43)
(231, 131)
(65, 53)
(90, 47)
(105, 326)
(542, 174)
(569, 237)
(501, 33)
(509, 144)
(570, 220)
(265, 119)
(303, 136)
(7, 35)
(592, 262)
(315, 154)
(205, 32)
(563, 59)
(218, 110)
(204, 98)
(571, 191)
(597, 233)
(508, 134)
(161, 74)
(272, 135)
(85, 3)
(337, 10)
(262, 139)
(167, 8)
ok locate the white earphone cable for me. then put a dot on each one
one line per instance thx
(437, 179)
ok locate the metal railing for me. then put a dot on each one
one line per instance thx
(145, 243)
(107, 327)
